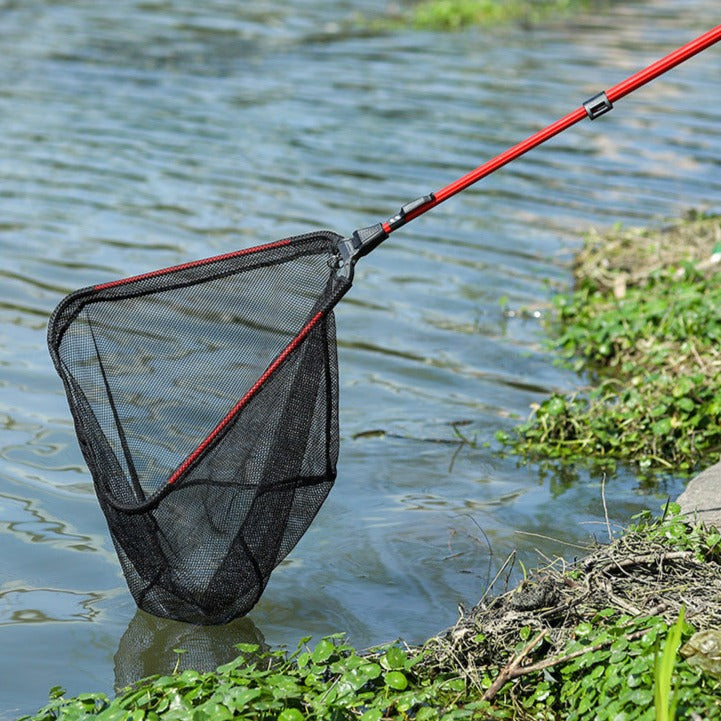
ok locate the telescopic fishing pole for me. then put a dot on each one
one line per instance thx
(362, 241)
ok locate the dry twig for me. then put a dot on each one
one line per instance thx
(513, 669)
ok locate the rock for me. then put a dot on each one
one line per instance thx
(703, 496)
(703, 650)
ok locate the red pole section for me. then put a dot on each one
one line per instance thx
(661, 66)
(615, 93)
(505, 157)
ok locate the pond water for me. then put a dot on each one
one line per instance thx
(142, 134)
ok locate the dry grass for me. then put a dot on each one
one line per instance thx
(638, 575)
(624, 257)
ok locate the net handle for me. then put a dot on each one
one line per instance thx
(364, 240)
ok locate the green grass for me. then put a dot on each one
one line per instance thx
(665, 696)
(643, 326)
(456, 14)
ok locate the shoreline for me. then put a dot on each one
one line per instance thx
(640, 327)
(572, 639)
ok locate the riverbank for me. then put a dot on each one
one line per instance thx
(641, 327)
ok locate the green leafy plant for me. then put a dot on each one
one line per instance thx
(329, 681)
(455, 14)
(649, 346)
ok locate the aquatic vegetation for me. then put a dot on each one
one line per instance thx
(643, 325)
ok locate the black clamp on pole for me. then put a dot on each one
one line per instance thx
(400, 218)
(363, 240)
(597, 105)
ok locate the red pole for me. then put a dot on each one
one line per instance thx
(661, 66)
(612, 95)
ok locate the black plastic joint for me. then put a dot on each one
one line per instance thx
(597, 105)
(365, 239)
(417, 203)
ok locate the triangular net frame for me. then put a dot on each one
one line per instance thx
(205, 401)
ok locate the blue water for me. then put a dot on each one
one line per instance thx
(141, 134)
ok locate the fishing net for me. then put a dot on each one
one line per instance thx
(205, 397)
(205, 400)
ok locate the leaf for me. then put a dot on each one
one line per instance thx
(659, 409)
(113, 714)
(661, 427)
(242, 697)
(641, 696)
(290, 714)
(396, 680)
(584, 629)
(214, 711)
(283, 686)
(247, 647)
(425, 713)
(395, 658)
(189, 676)
(663, 692)
(555, 406)
(322, 652)
(356, 678)
(372, 714)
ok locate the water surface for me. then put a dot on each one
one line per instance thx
(138, 135)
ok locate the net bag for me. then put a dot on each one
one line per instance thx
(205, 400)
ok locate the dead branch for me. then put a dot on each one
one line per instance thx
(514, 670)
(511, 669)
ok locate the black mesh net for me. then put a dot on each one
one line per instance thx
(205, 400)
